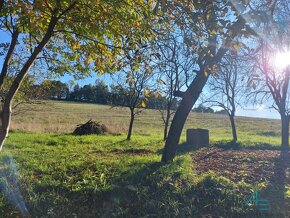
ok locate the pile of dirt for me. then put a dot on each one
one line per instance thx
(91, 127)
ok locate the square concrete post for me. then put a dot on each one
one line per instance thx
(197, 137)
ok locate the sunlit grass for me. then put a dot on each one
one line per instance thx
(92, 176)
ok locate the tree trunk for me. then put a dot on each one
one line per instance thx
(5, 123)
(234, 131)
(132, 117)
(190, 97)
(7, 105)
(165, 130)
(166, 124)
(8, 58)
(285, 131)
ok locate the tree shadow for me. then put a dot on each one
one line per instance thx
(230, 145)
(275, 191)
(226, 145)
(127, 193)
(185, 148)
(262, 146)
(103, 200)
(182, 149)
(130, 191)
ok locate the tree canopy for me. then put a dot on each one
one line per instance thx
(72, 36)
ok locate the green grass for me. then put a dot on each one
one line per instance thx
(61, 175)
(62, 117)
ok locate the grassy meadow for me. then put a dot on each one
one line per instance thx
(45, 171)
(62, 117)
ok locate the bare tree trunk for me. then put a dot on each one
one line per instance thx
(190, 97)
(5, 114)
(285, 131)
(165, 131)
(234, 131)
(166, 124)
(5, 121)
(132, 117)
(7, 105)
(8, 58)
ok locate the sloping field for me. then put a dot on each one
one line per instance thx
(47, 172)
(62, 117)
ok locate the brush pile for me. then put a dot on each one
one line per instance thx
(91, 127)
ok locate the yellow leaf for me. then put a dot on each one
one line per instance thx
(157, 95)
(143, 104)
(88, 60)
(213, 32)
(207, 16)
(149, 70)
(146, 92)
(76, 46)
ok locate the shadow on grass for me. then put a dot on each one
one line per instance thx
(276, 189)
(160, 190)
(181, 149)
(226, 145)
(245, 145)
(105, 199)
(149, 189)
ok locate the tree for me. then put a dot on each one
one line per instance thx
(133, 92)
(88, 93)
(211, 28)
(156, 101)
(98, 93)
(227, 87)
(203, 109)
(174, 63)
(273, 82)
(27, 95)
(53, 89)
(74, 94)
(133, 86)
(86, 35)
(102, 93)
(224, 112)
(272, 74)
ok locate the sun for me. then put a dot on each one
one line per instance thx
(282, 60)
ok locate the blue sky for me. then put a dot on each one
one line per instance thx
(250, 111)
(261, 113)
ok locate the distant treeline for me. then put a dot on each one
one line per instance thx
(100, 93)
(203, 109)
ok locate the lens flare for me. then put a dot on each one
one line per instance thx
(9, 185)
(282, 60)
